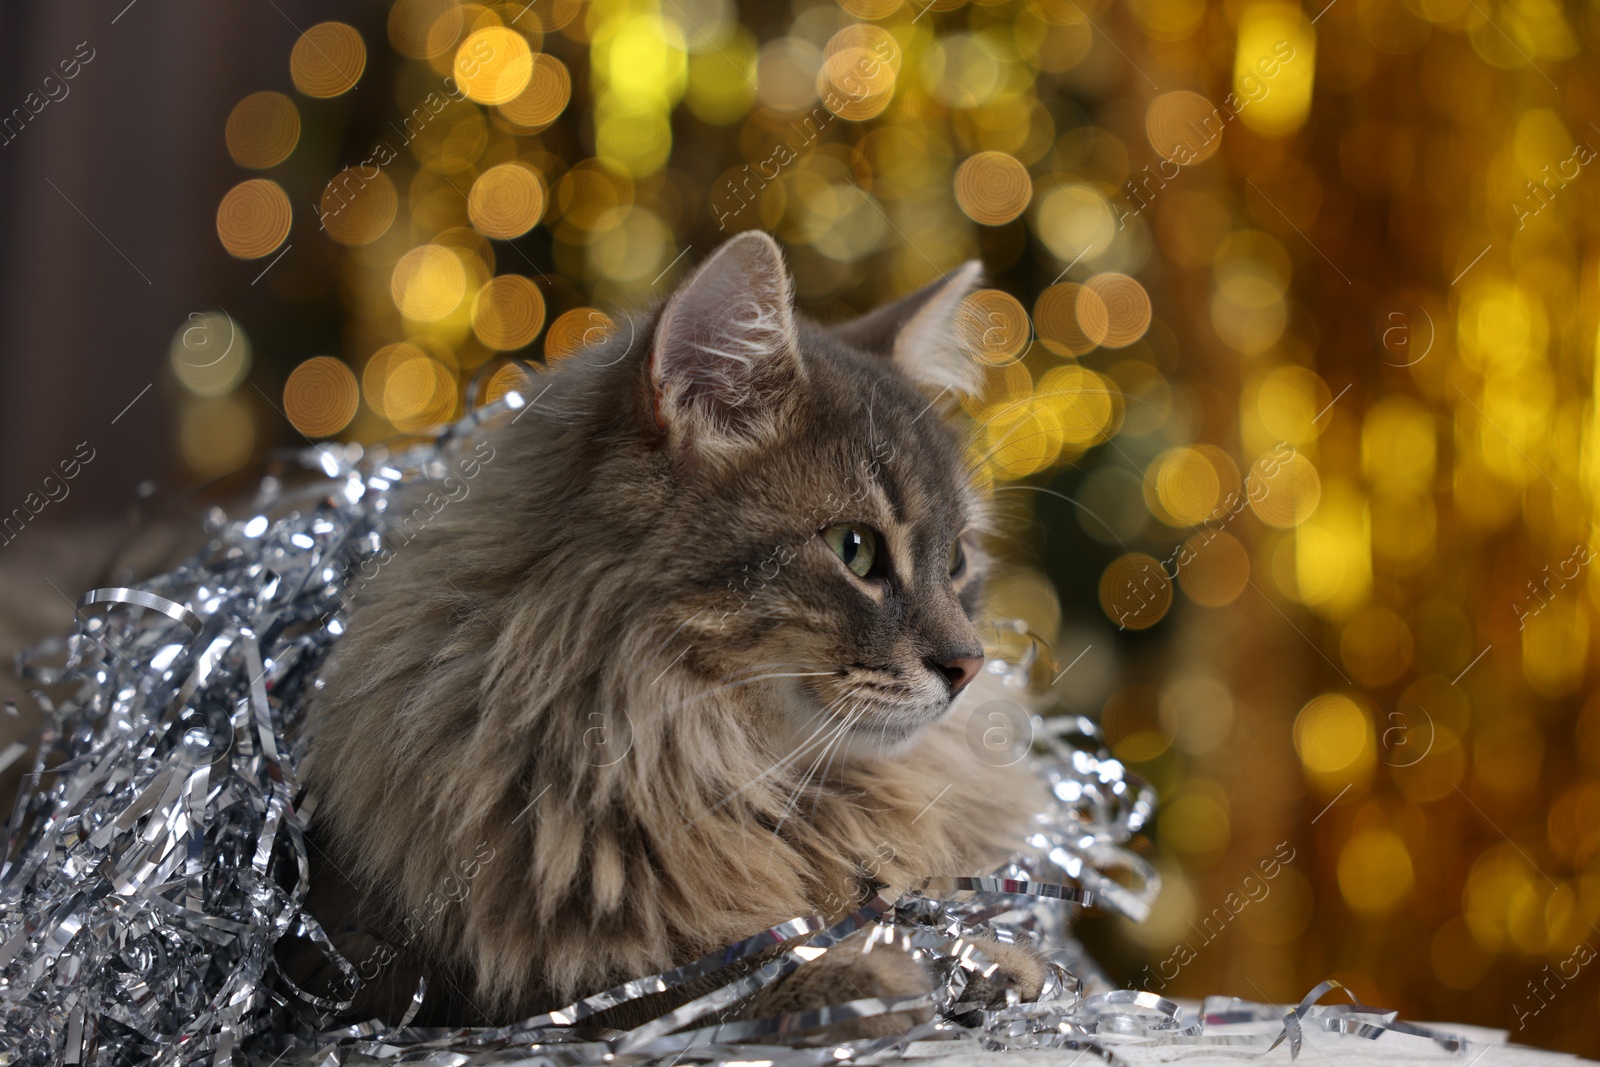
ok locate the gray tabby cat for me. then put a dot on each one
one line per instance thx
(680, 666)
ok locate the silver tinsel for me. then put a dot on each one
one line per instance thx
(156, 853)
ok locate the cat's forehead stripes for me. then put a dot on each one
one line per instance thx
(921, 483)
(889, 486)
(914, 462)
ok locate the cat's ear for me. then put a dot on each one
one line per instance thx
(930, 334)
(725, 354)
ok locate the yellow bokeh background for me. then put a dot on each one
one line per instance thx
(1288, 343)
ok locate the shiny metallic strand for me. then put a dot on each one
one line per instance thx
(156, 853)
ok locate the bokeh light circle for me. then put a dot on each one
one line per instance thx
(321, 396)
(544, 98)
(1022, 437)
(210, 353)
(1184, 126)
(262, 130)
(575, 330)
(494, 65)
(1074, 220)
(1375, 872)
(357, 209)
(328, 60)
(1185, 485)
(508, 312)
(1333, 736)
(216, 434)
(1087, 405)
(414, 27)
(594, 195)
(857, 77)
(510, 377)
(1055, 318)
(993, 188)
(506, 201)
(254, 218)
(1213, 569)
(1113, 310)
(1135, 592)
(636, 251)
(419, 393)
(1284, 491)
(375, 374)
(1376, 646)
(428, 283)
(1291, 402)
(997, 326)
(409, 387)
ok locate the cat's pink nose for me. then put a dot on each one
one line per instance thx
(958, 670)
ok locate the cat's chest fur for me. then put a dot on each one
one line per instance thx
(688, 843)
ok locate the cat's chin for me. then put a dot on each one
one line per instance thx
(884, 738)
(871, 733)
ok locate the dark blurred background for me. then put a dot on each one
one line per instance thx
(1291, 336)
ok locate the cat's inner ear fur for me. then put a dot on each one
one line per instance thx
(931, 335)
(725, 356)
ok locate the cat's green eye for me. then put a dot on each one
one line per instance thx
(855, 545)
(958, 559)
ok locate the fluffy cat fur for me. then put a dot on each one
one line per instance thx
(629, 665)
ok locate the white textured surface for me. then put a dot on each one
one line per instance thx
(1488, 1048)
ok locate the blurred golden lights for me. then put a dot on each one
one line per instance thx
(320, 396)
(508, 312)
(1200, 275)
(1334, 737)
(428, 283)
(262, 130)
(1135, 591)
(357, 208)
(574, 330)
(328, 59)
(506, 201)
(998, 325)
(210, 354)
(993, 188)
(1375, 872)
(545, 96)
(216, 435)
(254, 218)
(494, 65)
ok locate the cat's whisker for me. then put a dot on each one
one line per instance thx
(822, 779)
(1081, 507)
(818, 736)
(1005, 440)
(843, 729)
(759, 678)
(677, 630)
(1064, 394)
(872, 424)
(793, 756)
(834, 731)
(805, 779)
(800, 783)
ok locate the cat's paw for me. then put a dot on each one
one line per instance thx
(1019, 967)
(846, 973)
